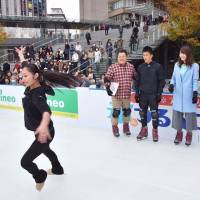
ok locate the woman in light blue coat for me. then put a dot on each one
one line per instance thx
(184, 84)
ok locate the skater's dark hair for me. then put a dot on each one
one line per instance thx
(52, 78)
(148, 49)
(188, 51)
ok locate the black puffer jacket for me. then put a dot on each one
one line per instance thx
(150, 79)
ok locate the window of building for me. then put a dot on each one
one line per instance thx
(117, 5)
(7, 9)
(0, 8)
(15, 7)
(129, 3)
(141, 1)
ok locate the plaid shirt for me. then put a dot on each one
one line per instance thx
(124, 75)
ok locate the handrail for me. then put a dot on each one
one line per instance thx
(49, 42)
(39, 41)
(55, 19)
(84, 63)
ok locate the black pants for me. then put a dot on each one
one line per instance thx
(88, 41)
(35, 150)
(148, 100)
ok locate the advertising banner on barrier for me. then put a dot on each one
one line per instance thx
(64, 103)
(91, 108)
(11, 97)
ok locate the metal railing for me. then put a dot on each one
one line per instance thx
(152, 38)
(10, 57)
(54, 19)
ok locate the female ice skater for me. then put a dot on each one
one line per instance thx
(37, 117)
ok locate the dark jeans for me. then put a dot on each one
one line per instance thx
(88, 41)
(35, 150)
(148, 100)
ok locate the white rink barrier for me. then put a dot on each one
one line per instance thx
(92, 108)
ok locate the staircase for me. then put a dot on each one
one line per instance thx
(154, 38)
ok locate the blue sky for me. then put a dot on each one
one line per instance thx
(69, 7)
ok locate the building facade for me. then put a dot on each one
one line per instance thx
(119, 10)
(10, 7)
(23, 7)
(95, 10)
(33, 8)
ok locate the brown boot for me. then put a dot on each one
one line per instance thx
(155, 135)
(188, 138)
(179, 137)
(143, 134)
(115, 130)
(126, 129)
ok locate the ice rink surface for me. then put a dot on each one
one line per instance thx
(98, 166)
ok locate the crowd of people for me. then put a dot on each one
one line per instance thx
(73, 59)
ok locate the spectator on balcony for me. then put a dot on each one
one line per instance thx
(66, 51)
(84, 63)
(75, 60)
(118, 45)
(127, 23)
(101, 48)
(78, 48)
(106, 29)
(91, 76)
(88, 38)
(109, 50)
(97, 59)
(133, 43)
(100, 83)
(71, 51)
(135, 31)
(91, 56)
(49, 49)
(14, 80)
(145, 30)
(120, 31)
(7, 77)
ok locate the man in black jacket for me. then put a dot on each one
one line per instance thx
(149, 86)
(88, 38)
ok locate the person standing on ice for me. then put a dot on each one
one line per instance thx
(37, 117)
(184, 85)
(122, 73)
(149, 87)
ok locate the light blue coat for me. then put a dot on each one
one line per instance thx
(184, 87)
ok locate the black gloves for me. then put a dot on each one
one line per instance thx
(137, 97)
(158, 98)
(109, 92)
(171, 88)
(195, 97)
(107, 85)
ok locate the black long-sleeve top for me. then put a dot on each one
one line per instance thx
(35, 104)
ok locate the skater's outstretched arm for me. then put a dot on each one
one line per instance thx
(43, 129)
